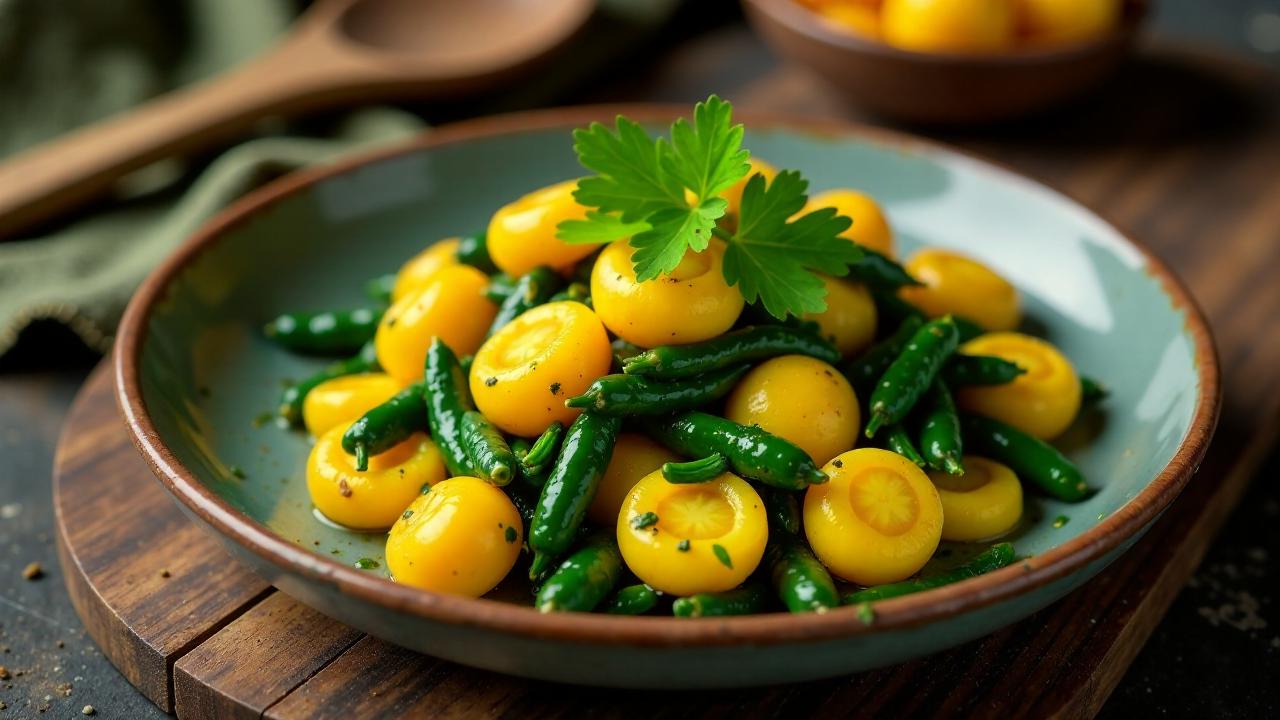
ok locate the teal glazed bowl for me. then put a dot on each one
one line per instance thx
(193, 373)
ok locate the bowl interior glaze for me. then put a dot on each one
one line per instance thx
(207, 376)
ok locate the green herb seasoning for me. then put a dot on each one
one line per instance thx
(237, 472)
(641, 522)
(511, 534)
(407, 514)
(365, 563)
(683, 546)
(866, 614)
(1060, 521)
(722, 555)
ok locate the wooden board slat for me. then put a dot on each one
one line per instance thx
(257, 659)
(148, 584)
(1182, 150)
(376, 679)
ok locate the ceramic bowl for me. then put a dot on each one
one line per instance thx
(193, 373)
(942, 88)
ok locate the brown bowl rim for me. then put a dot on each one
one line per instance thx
(806, 22)
(771, 629)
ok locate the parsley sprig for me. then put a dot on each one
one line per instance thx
(664, 194)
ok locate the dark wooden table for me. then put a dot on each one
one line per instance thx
(1214, 655)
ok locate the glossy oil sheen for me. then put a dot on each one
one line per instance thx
(207, 372)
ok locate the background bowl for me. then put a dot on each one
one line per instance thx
(942, 88)
(193, 373)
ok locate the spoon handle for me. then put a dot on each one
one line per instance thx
(37, 183)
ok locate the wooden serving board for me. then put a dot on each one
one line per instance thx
(202, 637)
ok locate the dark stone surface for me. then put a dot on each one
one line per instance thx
(1217, 652)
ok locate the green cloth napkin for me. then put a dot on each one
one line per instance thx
(64, 64)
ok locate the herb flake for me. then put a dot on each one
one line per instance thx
(722, 555)
(866, 614)
(641, 522)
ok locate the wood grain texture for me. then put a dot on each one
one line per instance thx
(377, 679)
(257, 659)
(148, 583)
(1181, 149)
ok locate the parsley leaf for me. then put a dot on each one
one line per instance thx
(665, 196)
(673, 231)
(630, 178)
(707, 156)
(598, 228)
(770, 257)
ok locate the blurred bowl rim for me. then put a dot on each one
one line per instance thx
(907, 611)
(804, 21)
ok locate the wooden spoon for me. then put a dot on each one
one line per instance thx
(340, 51)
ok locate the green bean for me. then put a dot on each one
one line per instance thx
(963, 370)
(584, 455)
(1092, 391)
(866, 369)
(291, 400)
(802, 583)
(695, 471)
(584, 579)
(752, 598)
(324, 333)
(782, 508)
(878, 271)
(630, 395)
(632, 600)
(751, 452)
(575, 292)
(898, 440)
(544, 449)
(500, 287)
(486, 449)
(967, 328)
(911, 373)
(940, 441)
(448, 398)
(735, 348)
(994, 558)
(473, 250)
(1031, 459)
(386, 426)
(532, 289)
